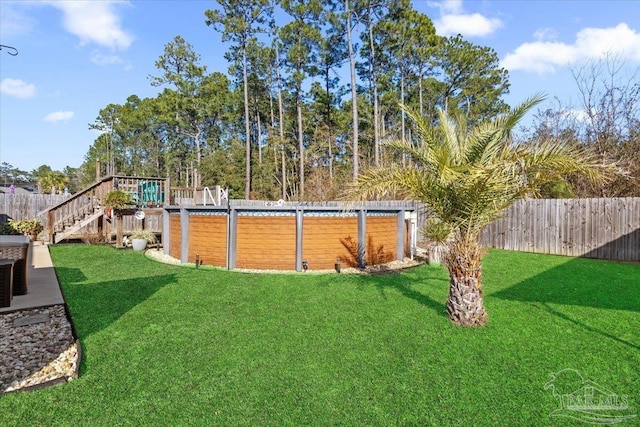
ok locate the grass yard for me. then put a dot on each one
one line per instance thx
(166, 345)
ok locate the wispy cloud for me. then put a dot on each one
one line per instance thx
(102, 59)
(14, 21)
(546, 56)
(453, 20)
(94, 22)
(58, 116)
(17, 88)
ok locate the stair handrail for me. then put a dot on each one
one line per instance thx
(104, 185)
(95, 193)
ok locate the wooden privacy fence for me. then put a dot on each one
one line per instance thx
(606, 228)
(28, 206)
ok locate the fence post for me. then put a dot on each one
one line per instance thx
(400, 253)
(299, 225)
(184, 233)
(165, 231)
(362, 238)
(166, 200)
(50, 226)
(232, 238)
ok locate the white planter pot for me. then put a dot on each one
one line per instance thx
(139, 244)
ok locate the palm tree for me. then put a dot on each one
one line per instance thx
(53, 180)
(467, 177)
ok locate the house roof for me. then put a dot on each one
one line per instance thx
(17, 190)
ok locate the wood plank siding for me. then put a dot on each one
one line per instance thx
(175, 239)
(382, 239)
(325, 238)
(282, 237)
(208, 239)
(266, 242)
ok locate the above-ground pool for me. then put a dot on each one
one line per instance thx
(290, 236)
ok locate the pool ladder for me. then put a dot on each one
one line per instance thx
(221, 194)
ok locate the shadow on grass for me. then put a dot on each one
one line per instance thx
(588, 328)
(416, 284)
(95, 306)
(582, 282)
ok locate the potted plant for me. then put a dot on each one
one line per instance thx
(140, 239)
(117, 199)
(114, 202)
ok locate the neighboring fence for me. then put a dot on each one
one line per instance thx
(28, 206)
(592, 228)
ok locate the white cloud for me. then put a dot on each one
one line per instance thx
(539, 57)
(467, 25)
(590, 43)
(101, 59)
(447, 6)
(454, 21)
(94, 22)
(599, 42)
(545, 34)
(17, 88)
(14, 21)
(58, 116)
(577, 115)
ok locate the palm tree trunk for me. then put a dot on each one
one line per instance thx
(465, 305)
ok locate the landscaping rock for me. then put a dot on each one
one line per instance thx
(37, 347)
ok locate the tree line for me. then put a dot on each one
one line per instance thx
(42, 179)
(306, 104)
(317, 88)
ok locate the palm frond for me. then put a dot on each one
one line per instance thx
(467, 178)
(375, 183)
(516, 114)
(452, 139)
(434, 154)
(547, 160)
(488, 139)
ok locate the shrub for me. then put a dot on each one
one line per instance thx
(94, 239)
(28, 227)
(147, 235)
(117, 199)
(7, 230)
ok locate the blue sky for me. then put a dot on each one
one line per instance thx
(75, 57)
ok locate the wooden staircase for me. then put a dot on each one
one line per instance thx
(77, 227)
(74, 216)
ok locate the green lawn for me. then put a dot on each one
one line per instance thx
(166, 345)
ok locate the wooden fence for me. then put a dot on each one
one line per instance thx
(592, 228)
(28, 206)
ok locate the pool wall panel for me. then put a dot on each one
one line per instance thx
(266, 242)
(175, 236)
(208, 239)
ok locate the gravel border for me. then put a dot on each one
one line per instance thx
(160, 256)
(38, 348)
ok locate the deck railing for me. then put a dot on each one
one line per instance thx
(147, 192)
